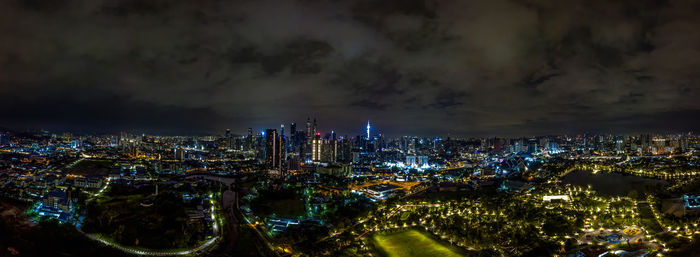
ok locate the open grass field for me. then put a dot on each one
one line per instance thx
(411, 243)
(289, 208)
(647, 218)
(87, 167)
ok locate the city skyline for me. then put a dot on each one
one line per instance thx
(310, 194)
(351, 134)
(390, 128)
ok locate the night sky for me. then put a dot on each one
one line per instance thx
(491, 67)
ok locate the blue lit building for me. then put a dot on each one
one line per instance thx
(691, 202)
(56, 205)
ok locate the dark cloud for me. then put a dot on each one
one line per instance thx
(448, 98)
(99, 111)
(497, 67)
(369, 104)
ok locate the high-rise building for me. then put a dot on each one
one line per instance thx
(683, 144)
(416, 161)
(329, 151)
(180, 153)
(282, 145)
(532, 147)
(645, 142)
(498, 145)
(309, 136)
(344, 151)
(316, 148)
(619, 143)
(334, 147)
(282, 152)
(249, 139)
(271, 149)
(292, 137)
(300, 140)
(228, 139)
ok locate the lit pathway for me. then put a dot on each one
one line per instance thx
(202, 247)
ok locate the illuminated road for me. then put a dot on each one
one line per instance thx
(264, 238)
(95, 195)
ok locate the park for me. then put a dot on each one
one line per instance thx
(133, 216)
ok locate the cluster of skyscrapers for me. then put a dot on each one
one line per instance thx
(287, 150)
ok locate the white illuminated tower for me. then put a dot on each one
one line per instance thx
(368, 129)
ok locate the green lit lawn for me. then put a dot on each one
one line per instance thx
(411, 243)
(647, 218)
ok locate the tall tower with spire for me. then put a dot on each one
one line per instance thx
(368, 129)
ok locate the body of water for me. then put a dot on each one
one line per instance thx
(610, 184)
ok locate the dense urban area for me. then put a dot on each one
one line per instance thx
(300, 190)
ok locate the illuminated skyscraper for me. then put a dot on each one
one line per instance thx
(331, 148)
(271, 149)
(368, 129)
(316, 148)
(282, 144)
(293, 134)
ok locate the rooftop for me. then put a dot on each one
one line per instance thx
(382, 187)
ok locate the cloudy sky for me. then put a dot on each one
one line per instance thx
(492, 67)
